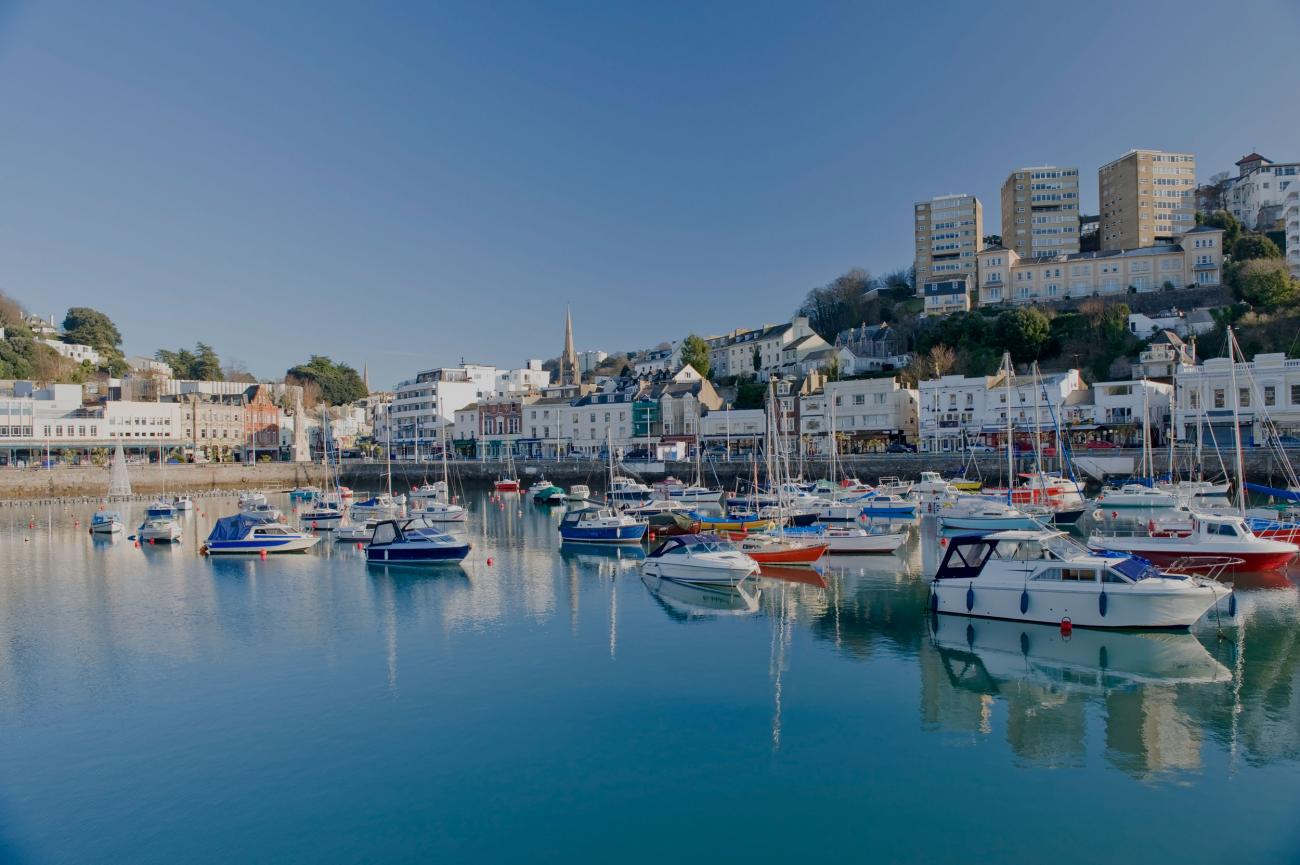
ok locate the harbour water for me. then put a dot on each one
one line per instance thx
(158, 706)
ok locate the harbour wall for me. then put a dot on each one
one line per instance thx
(89, 481)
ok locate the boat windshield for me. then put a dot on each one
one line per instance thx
(702, 547)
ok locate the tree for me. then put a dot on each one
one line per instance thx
(758, 360)
(845, 302)
(1265, 282)
(201, 364)
(1023, 332)
(992, 240)
(85, 326)
(695, 352)
(1252, 246)
(339, 383)
(1230, 225)
(235, 369)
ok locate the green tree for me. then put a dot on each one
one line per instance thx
(85, 326)
(1023, 332)
(1265, 283)
(201, 364)
(339, 383)
(1252, 246)
(758, 360)
(992, 240)
(1230, 224)
(695, 351)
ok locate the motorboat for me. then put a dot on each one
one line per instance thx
(975, 513)
(578, 493)
(844, 511)
(624, 490)
(248, 499)
(653, 508)
(106, 523)
(545, 492)
(356, 532)
(158, 529)
(413, 542)
(304, 494)
(324, 514)
(893, 486)
(1215, 535)
(267, 513)
(436, 511)
(849, 540)
(933, 487)
(886, 505)
(695, 494)
(1136, 496)
(506, 485)
(243, 534)
(1043, 576)
(782, 550)
(699, 560)
(601, 526)
(847, 488)
(380, 507)
(183, 503)
(160, 509)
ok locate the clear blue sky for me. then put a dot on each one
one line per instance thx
(401, 184)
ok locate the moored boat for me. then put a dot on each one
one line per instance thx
(699, 560)
(601, 526)
(1208, 535)
(414, 542)
(106, 523)
(243, 534)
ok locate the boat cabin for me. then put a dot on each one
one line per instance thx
(1039, 557)
(688, 545)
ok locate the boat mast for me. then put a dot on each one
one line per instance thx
(1146, 433)
(1236, 423)
(1038, 441)
(1011, 447)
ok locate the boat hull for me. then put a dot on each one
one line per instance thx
(1165, 554)
(288, 545)
(987, 524)
(699, 576)
(416, 554)
(603, 535)
(1081, 606)
(801, 555)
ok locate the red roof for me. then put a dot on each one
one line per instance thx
(1254, 157)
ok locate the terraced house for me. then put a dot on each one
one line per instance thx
(1194, 260)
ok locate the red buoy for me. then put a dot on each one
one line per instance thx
(489, 561)
(358, 545)
(1067, 627)
(263, 554)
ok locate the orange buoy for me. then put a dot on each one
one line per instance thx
(263, 554)
(151, 542)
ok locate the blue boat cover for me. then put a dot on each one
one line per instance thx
(232, 528)
(1275, 492)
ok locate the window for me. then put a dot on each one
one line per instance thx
(1270, 395)
(1219, 400)
(1243, 397)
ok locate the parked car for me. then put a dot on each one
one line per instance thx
(900, 448)
(1100, 445)
(981, 449)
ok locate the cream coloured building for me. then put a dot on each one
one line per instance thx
(1196, 259)
(1146, 198)
(949, 231)
(1040, 211)
(1291, 219)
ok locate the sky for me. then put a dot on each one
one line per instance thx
(403, 185)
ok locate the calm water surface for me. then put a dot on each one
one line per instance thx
(156, 706)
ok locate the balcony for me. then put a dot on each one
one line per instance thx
(1206, 266)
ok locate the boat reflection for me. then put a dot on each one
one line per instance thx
(788, 574)
(684, 602)
(576, 551)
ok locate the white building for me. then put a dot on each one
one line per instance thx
(530, 378)
(867, 414)
(1269, 385)
(140, 364)
(658, 360)
(74, 352)
(956, 411)
(1195, 323)
(589, 360)
(1257, 195)
(1121, 403)
(734, 353)
(733, 430)
(423, 404)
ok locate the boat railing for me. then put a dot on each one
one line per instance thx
(1209, 567)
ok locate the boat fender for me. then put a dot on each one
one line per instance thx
(1101, 604)
(1024, 601)
(1114, 515)
(1232, 604)
(1067, 627)
(263, 554)
(489, 561)
(970, 598)
(934, 600)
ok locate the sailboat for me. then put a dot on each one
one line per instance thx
(326, 511)
(509, 481)
(697, 492)
(602, 525)
(1140, 494)
(439, 508)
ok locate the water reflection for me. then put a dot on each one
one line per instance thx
(688, 603)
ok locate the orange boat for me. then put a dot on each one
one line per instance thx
(769, 550)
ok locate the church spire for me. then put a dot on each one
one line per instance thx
(569, 359)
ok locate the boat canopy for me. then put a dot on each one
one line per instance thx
(709, 541)
(232, 528)
(1275, 492)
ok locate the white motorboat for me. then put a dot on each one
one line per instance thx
(690, 601)
(836, 511)
(892, 486)
(1136, 496)
(625, 490)
(886, 505)
(699, 560)
(1200, 493)
(248, 499)
(1042, 576)
(578, 493)
(654, 508)
(267, 513)
(430, 491)
(243, 534)
(848, 540)
(601, 526)
(183, 503)
(979, 514)
(106, 523)
(158, 530)
(436, 511)
(357, 531)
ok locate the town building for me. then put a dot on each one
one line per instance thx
(423, 404)
(590, 359)
(529, 378)
(607, 414)
(684, 399)
(734, 354)
(734, 431)
(213, 427)
(75, 352)
(1040, 211)
(1166, 355)
(1257, 195)
(1267, 389)
(261, 424)
(1195, 259)
(658, 360)
(874, 346)
(946, 296)
(948, 232)
(1147, 198)
(1185, 324)
(867, 414)
(957, 411)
